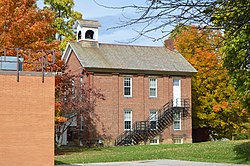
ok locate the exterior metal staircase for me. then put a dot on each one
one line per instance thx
(141, 131)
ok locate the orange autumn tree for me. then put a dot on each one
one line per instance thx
(30, 29)
(24, 26)
(214, 99)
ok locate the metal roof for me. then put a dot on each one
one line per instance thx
(130, 57)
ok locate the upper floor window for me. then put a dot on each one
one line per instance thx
(127, 87)
(152, 87)
(89, 34)
(177, 120)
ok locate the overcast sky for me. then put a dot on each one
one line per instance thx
(109, 18)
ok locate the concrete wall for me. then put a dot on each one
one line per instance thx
(27, 120)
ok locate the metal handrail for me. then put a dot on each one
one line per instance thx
(144, 126)
(42, 60)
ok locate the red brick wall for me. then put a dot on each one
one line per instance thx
(74, 65)
(27, 120)
(110, 112)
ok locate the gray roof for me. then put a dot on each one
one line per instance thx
(89, 23)
(129, 57)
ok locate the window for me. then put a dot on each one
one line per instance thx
(177, 141)
(89, 34)
(72, 119)
(73, 90)
(81, 82)
(153, 119)
(82, 123)
(127, 120)
(177, 120)
(127, 87)
(79, 35)
(154, 141)
(152, 87)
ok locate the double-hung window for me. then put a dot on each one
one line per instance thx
(127, 87)
(73, 88)
(177, 120)
(152, 87)
(153, 119)
(127, 119)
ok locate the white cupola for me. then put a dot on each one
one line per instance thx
(87, 30)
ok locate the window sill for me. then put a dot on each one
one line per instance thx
(177, 129)
(127, 96)
(127, 129)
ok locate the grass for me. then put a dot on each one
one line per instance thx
(237, 152)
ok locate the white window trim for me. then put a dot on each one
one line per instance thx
(131, 119)
(131, 87)
(156, 118)
(153, 87)
(180, 124)
(178, 139)
(157, 141)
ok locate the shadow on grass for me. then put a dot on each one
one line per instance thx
(56, 162)
(243, 152)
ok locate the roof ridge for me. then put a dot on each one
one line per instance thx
(131, 45)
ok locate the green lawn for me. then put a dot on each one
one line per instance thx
(220, 152)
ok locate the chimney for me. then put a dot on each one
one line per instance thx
(169, 44)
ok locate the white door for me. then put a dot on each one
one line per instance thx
(176, 92)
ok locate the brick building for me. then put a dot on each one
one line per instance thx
(26, 113)
(147, 89)
(27, 119)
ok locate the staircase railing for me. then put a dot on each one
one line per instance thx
(142, 131)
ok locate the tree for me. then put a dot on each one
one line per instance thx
(65, 17)
(30, 30)
(230, 16)
(74, 99)
(214, 99)
(234, 17)
(23, 25)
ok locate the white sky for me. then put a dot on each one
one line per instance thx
(109, 18)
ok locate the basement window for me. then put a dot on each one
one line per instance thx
(154, 141)
(177, 141)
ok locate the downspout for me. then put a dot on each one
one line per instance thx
(118, 103)
(89, 109)
(87, 113)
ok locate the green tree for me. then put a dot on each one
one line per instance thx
(215, 102)
(65, 17)
(234, 17)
